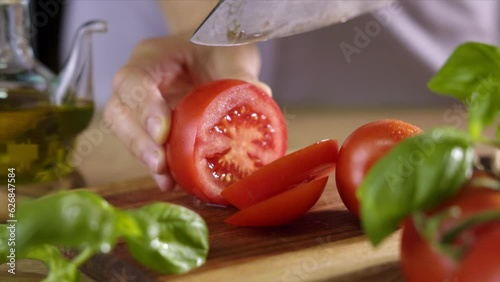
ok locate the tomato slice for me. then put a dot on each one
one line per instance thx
(283, 208)
(220, 133)
(304, 165)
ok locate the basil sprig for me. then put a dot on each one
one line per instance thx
(424, 170)
(417, 174)
(165, 237)
(472, 75)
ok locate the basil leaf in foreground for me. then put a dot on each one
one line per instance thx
(73, 219)
(417, 174)
(174, 239)
(483, 106)
(59, 268)
(464, 70)
(4, 243)
(472, 74)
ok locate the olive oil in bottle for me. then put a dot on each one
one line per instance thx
(36, 137)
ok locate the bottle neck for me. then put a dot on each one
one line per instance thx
(16, 53)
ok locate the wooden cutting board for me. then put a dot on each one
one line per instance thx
(324, 245)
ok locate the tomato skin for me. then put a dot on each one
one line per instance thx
(312, 162)
(195, 114)
(362, 148)
(482, 262)
(282, 208)
(420, 262)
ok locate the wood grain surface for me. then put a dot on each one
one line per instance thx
(326, 244)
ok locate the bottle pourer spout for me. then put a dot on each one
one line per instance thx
(77, 71)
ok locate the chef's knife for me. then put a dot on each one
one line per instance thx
(237, 22)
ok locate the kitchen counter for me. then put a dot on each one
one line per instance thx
(352, 259)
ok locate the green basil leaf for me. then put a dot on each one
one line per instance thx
(464, 70)
(127, 225)
(60, 269)
(74, 219)
(5, 246)
(417, 174)
(472, 74)
(483, 106)
(173, 239)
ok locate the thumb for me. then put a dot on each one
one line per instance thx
(238, 62)
(248, 77)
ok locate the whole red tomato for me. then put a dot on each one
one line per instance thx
(420, 261)
(222, 132)
(361, 150)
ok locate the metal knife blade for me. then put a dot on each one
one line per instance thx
(238, 22)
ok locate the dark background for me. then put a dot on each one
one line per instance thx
(46, 42)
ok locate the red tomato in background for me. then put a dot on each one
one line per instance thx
(312, 162)
(220, 133)
(482, 263)
(421, 262)
(282, 208)
(361, 150)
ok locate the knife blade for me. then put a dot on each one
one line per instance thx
(238, 22)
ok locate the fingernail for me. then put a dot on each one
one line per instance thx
(154, 127)
(152, 160)
(164, 182)
(264, 87)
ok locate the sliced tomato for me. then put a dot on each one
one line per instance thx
(221, 132)
(312, 162)
(283, 208)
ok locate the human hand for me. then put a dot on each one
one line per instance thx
(159, 72)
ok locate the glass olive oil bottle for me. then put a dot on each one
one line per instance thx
(41, 113)
(36, 137)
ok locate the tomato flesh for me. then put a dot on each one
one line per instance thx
(312, 162)
(282, 208)
(362, 148)
(243, 133)
(220, 133)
